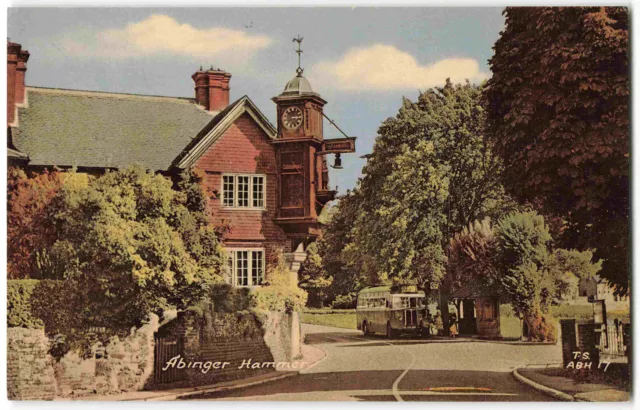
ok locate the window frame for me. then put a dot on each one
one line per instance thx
(233, 258)
(250, 192)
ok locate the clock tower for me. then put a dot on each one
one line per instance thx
(303, 177)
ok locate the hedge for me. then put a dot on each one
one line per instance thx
(37, 304)
(19, 310)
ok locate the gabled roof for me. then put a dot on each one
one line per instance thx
(106, 130)
(218, 126)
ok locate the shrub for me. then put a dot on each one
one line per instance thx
(224, 298)
(279, 293)
(134, 242)
(19, 312)
(347, 301)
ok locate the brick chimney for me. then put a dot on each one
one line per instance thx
(212, 88)
(16, 70)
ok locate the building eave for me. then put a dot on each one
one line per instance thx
(204, 142)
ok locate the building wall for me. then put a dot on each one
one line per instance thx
(245, 148)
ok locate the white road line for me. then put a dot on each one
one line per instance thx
(394, 388)
(396, 394)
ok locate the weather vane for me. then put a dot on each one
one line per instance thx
(298, 40)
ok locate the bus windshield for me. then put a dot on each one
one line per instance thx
(408, 301)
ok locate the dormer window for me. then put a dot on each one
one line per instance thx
(243, 191)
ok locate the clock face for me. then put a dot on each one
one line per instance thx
(292, 117)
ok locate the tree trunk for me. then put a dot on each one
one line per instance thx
(444, 310)
(541, 327)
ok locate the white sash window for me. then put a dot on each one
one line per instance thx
(243, 191)
(246, 266)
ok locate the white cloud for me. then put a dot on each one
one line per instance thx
(383, 67)
(163, 35)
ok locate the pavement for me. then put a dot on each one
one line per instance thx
(554, 382)
(358, 368)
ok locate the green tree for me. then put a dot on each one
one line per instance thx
(441, 133)
(400, 219)
(341, 259)
(515, 260)
(452, 118)
(313, 278)
(133, 245)
(472, 258)
(558, 116)
(523, 242)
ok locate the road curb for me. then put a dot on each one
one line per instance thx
(181, 395)
(544, 389)
(312, 365)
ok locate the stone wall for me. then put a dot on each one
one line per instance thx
(263, 343)
(282, 334)
(123, 365)
(30, 374)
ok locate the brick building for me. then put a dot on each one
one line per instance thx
(271, 183)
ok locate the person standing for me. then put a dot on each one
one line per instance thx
(453, 329)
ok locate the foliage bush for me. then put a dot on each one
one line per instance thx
(515, 259)
(313, 278)
(279, 293)
(118, 248)
(347, 301)
(28, 196)
(227, 299)
(61, 310)
(19, 312)
(136, 242)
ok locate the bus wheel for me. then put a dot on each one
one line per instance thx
(365, 328)
(389, 331)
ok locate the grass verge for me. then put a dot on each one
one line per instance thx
(345, 319)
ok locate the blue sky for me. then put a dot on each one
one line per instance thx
(361, 60)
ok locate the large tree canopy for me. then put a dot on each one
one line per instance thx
(133, 244)
(430, 174)
(558, 115)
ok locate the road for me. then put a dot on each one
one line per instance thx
(359, 368)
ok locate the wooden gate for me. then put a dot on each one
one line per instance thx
(167, 348)
(614, 342)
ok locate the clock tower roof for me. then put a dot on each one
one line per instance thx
(298, 86)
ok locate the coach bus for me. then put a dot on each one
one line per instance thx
(390, 310)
